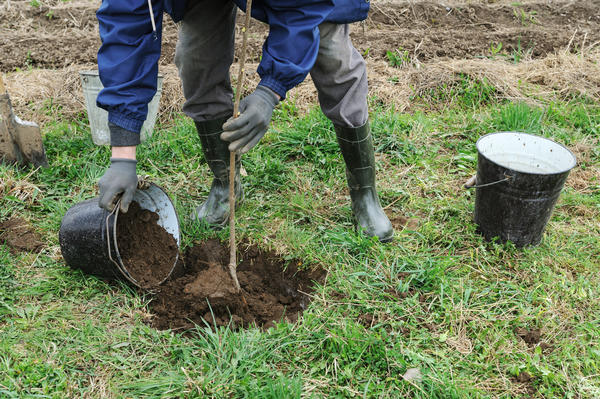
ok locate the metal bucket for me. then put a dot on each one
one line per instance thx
(88, 234)
(519, 179)
(90, 81)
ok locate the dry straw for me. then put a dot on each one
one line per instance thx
(46, 95)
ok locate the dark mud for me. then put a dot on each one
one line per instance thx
(273, 290)
(20, 236)
(67, 33)
(534, 338)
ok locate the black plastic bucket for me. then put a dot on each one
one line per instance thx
(519, 179)
(88, 234)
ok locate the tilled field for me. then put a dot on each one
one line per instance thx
(528, 51)
(62, 34)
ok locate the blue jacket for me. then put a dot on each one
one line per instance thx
(128, 57)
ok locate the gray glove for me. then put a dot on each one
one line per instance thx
(245, 131)
(119, 178)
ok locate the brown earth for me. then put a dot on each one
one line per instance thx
(204, 291)
(20, 236)
(400, 223)
(528, 381)
(431, 30)
(437, 44)
(148, 251)
(66, 33)
(531, 337)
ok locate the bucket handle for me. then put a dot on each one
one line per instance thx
(472, 182)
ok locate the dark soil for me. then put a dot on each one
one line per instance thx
(67, 33)
(20, 236)
(399, 295)
(148, 251)
(367, 319)
(531, 337)
(273, 290)
(431, 29)
(524, 377)
(527, 380)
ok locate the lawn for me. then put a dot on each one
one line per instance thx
(476, 319)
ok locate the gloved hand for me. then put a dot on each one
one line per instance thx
(119, 178)
(255, 115)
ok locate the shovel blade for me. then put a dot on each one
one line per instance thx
(9, 152)
(20, 141)
(29, 140)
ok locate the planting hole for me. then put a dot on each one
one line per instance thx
(201, 291)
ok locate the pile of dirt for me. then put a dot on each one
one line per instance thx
(531, 337)
(148, 251)
(20, 236)
(272, 290)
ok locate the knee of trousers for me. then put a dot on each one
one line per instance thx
(343, 95)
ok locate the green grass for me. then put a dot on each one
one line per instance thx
(466, 93)
(398, 58)
(439, 298)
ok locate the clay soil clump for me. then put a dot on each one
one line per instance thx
(20, 236)
(203, 293)
(148, 251)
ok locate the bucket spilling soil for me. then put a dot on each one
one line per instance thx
(273, 290)
(20, 236)
(148, 251)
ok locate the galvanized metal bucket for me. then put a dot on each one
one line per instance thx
(90, 81)
(519, 179)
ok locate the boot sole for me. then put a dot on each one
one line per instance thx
(385, 240)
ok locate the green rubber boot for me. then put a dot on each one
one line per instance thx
(215, 210)
(357, 148)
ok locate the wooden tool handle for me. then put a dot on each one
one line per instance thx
(2, 88)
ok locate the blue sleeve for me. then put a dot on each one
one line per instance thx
(291, 48)
(128, 59)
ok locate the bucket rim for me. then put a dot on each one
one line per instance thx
(560, 172)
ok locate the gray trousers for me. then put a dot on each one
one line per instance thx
(204, 54)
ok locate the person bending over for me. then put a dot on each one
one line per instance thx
(305, 36)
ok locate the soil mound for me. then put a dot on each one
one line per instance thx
(148, 251)
(204, 291)
(20, 236)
